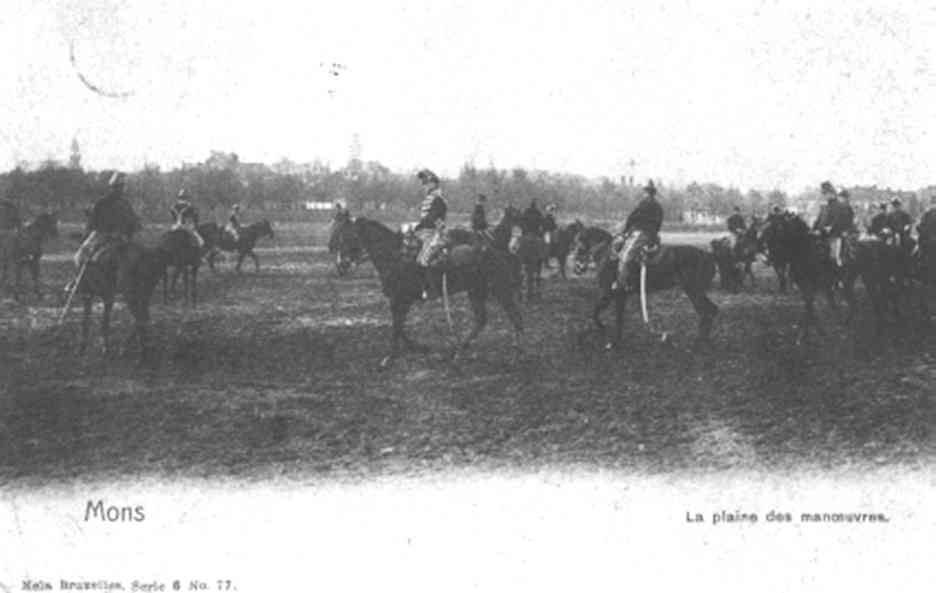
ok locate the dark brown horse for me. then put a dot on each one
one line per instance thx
(352, 256)
(22, 248)
(685, 266)
(402, 281)
(127, 269)
(216, 238)
(184, 260)
(532, 252)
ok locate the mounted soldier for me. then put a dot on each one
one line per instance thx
(479, 222)
(878, 225)
(833, 222)
(111, 224)
(736, 224)
(431, 228)
(641, 233)
(185, 217)
(927, 224)
(899, 223)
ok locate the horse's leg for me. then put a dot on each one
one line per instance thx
(705, 309)
(240, 260)
(398, 318)
(105, 324)
(479, 308)
(809, 312)
(620, 309)
(34, 271)
(509, 305)
(194, 286)
(749, 272)
(256, 261)
(165, 283)
(85, 323)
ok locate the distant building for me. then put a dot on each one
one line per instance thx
(312, 205)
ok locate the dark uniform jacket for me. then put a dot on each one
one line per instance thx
(899, 221)
(479, 219)
(878, 223)
(736, 224)
(647, 217)
(433, 209)
(549, 224)
(835, 216)
(113, 214)
(532, 222)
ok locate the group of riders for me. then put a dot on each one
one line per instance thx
(837, 224)
(639, 236)
(112, 223)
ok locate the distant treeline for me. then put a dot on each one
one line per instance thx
(281, 191)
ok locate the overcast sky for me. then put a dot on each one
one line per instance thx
(763, 94)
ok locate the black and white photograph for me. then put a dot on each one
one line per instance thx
(467, 295)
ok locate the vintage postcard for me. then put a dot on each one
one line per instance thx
(467, 296)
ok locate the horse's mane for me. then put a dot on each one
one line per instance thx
(376, 230)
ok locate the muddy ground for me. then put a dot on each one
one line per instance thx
(275, 374)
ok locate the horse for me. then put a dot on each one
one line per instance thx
(352, 255)
(769, 244)
(562, 243)
(141, 268)
(792, 246)
(585, 246)
(926, 261)
(533, 253)
(402, 281)
(216, 238)
(690, 268)
(23, 248)
(730, 272)
(185, 259)
(735, 258)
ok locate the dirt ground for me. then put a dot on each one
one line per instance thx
(275, 374)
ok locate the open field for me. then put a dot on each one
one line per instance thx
(275, 374)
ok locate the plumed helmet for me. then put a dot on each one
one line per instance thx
(427, 176)
(650, 189)
(827, 188)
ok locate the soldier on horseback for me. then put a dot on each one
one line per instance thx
(641, 233)
(532, 221)
(111, 223)
(185, 217)
(878, 224)
(431, 226)
(928, 220)
(479, 222)
(899, 223)
(833, 222)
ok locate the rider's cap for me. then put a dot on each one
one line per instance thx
(427, 176)
(883, 205)
(482, 198)
(843, 193)
(650, 188)
(827, 188)
(896, 202)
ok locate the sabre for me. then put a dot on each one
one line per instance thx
(71, 293)
(664, 336)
